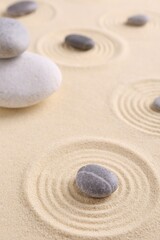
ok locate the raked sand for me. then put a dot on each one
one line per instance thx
(102, 114)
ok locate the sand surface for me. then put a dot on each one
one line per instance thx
(102, 114)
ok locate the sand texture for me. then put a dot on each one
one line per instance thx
(102, 114)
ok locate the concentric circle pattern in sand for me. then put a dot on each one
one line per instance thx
(51, 191)
(107, 47)
(118, 18)
(134, 105)
(45, 13)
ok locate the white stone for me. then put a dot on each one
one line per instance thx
(14, 38)
(27, 80)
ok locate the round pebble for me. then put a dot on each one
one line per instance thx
(96, 181)
(14, 38)
(21, 8)
(27, 80)
(80, 42)
(138, 20)
(156, 104)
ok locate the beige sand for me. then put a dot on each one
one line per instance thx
(102, 114)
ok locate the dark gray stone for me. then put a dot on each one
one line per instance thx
(79, 42)
(96, 181)
(21, 8)
(156, 104)
(138, 20)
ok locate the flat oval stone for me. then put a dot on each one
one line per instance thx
(96, 181)
(14, 38)
(79, 42)
(138, 20)
(21, 8)
(27, 80)
(156, 104)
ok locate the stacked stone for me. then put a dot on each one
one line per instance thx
(25, 78)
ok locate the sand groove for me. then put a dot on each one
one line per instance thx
(45, 13)
(118, 18)
(133, 105)
(107, 47)
(51, 191)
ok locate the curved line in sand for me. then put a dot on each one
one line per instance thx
(50, 189)
(133, 104)
(107, 47)
(117, 18)
(45, 13)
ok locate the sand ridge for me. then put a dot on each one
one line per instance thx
(134, 105)
(51, 191)
(117, 18)
(104, 105)
(108, 47)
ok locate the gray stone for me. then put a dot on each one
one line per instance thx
(96, 181)
(27, 80)
(21, 8)
(138, 20)
(14, 38)
(156, 104)
(80, 42)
